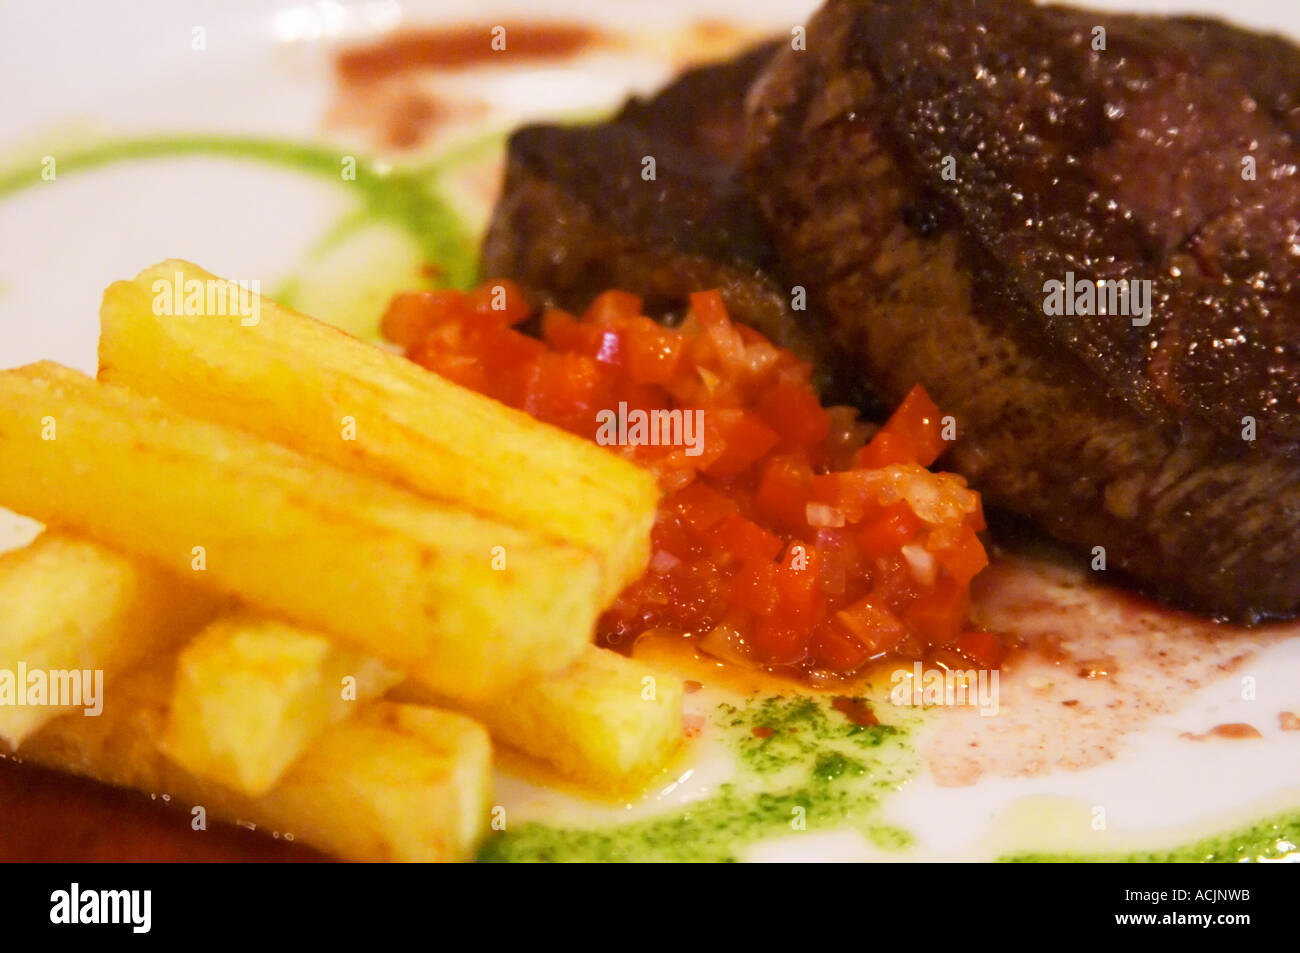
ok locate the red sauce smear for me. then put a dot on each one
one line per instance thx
(462, 46)
(856, 710)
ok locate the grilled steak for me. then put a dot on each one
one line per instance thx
(927, 167)
(576, 217)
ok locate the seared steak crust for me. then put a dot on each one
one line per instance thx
(576, 217)
(1117, 163)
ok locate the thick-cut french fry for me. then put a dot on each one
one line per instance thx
(251, 694)
(606, 720)
(467, 606)
(392, 783)
(76, 607)
(307, 385)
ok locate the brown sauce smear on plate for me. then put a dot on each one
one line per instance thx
(1236, 730)
(461, 46)
(1091, 665)
(856, 710)
(383, 86)
(47, 817)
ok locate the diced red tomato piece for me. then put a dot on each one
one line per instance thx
(966, 559)
(796, 414)
(782, 643)
(798, 584)
(745, 539)
(938, 615)
(671, 535)
(783, 492)
(612, 305)
(915, 425)
(894, 527)
(886, 449)
(504, 355)
(709, 309)
(564, 389)
(893, 583)
(701, 507)
(746, 440)
(563, 332)
(834, 648)
(753, 589)
(834, 570)
(982, 648)
(462, 369)
(640, 396)
(872, 624)
(412, 314)
(653, 352)
(849, 491)
(500, 299)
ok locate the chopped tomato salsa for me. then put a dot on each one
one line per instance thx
(785, 538)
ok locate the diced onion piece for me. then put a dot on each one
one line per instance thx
(710, 380)
(923, 565)
(663, 561)
(936, 498)
(759, 357)
(823, 515)
(726, 643)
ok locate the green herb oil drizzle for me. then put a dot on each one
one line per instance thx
(1271, 839)
(806, 767)
(407, 199)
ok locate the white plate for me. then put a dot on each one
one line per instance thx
(1041, 776)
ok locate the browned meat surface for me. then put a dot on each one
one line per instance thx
(576, 216)
(1122, 163)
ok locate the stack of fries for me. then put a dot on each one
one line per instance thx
(316, 578)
